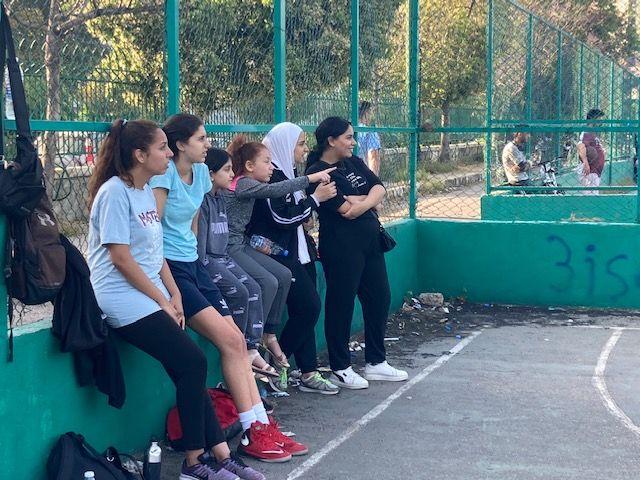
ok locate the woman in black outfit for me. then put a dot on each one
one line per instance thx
(282, 220)
(351, 256)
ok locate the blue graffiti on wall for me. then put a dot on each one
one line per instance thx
(566, 263)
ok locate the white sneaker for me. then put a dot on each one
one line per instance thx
(385, 372)
(348, 378)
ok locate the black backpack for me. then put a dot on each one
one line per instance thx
(72, 456)
(35, 258)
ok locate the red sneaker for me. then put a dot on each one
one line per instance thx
(288, 444)
(257, 442)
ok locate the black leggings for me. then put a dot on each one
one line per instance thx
(159, 336)
(298, 337)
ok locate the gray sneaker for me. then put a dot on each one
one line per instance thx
(318, 384)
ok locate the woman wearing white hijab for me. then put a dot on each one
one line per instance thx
(282, 220)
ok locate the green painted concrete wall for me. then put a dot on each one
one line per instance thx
(621, 173)
(581, 264)
(563, 208)
(41, 400)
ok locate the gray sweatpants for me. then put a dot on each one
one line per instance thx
(274, 280)
(243, 296)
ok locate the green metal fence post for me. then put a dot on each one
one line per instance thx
(172, 15)
(529, 79)
(279, 61)
(488, 120)
(611, 114)
(529, 69)
(355, 60)
(414, 100)
(638, 151)
(559, 67)
(597, 105)
(581, 94)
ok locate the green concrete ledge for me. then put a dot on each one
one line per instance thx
(618, 208)
(42, 400)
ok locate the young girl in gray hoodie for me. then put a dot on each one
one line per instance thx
(242, 293)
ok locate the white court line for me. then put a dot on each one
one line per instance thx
(600, 384)
(378, 409)
(604, 327)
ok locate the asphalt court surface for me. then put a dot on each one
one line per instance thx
(522, 394)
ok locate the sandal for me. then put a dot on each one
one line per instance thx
(281, 360)
(264, 369)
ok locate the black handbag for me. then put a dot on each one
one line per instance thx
(21, 180)
(71, 456)
(387, 243)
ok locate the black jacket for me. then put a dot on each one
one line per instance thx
(279, 218)
(79, 324)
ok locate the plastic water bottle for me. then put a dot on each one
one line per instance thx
(8, 101)
(89, 474)
(258, 242)
(152, 462)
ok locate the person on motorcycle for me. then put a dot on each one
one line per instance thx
(515, 164)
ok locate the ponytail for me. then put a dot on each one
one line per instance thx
(115, 156)
(313, 157)
(243, 151)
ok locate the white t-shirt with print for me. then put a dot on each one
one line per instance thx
(127, 216)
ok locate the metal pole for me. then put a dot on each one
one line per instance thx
(355, 60)
(611, 114)
(414, 100)
(488, 120)
(529, 68)
(279, 61)
(581, 94)
(597, 105)
(172, 14)
(638, 151)
(529, 79)
(559, 76)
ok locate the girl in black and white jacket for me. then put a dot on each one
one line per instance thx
(283, 221)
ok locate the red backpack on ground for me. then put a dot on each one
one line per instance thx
(226, 412)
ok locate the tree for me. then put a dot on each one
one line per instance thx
(598, 22)
(452, 56)
(58, 24)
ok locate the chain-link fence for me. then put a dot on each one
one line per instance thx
(446, 84)
(563, 125)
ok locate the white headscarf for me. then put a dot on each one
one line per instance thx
(281, 142)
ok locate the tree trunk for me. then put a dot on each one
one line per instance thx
(52, 63)
(445, 121)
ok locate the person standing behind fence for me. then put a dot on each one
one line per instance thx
(281, 220)
(352, 257)
(369, 145)
(252, 168)
(242, 293)
(179, 194)
(137, 292)
(591, 154)
(515, 164)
